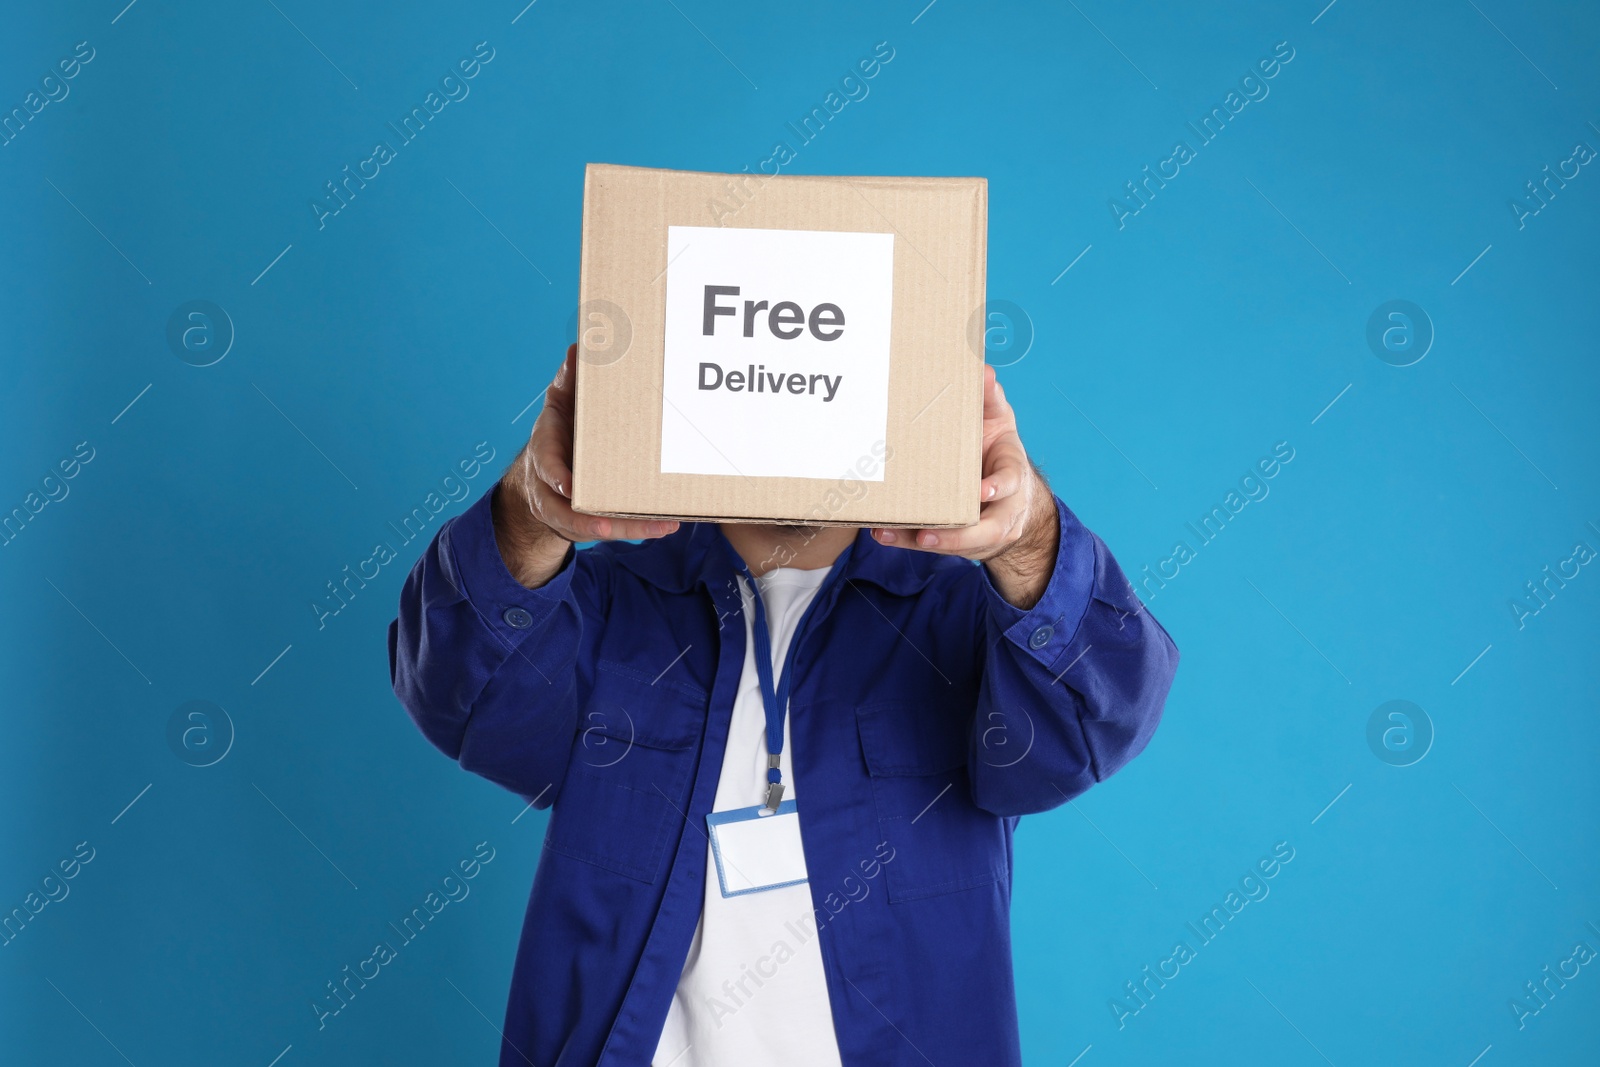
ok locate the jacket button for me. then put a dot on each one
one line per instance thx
(517, 619)
(1040, 637)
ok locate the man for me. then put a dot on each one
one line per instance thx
(926, 702)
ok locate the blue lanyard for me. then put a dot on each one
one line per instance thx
(775, 692)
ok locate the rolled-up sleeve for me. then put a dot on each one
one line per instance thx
(1077, 682)
(486, 667)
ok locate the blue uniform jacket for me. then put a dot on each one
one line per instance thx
(927, 714)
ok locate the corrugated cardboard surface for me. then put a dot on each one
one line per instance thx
(934, 443)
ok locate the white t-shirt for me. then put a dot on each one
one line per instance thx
(752, 989)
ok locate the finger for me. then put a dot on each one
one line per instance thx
(998, 525)
(1008, 471)
(550, 442)
(943, 542)
(548, 452)
(563, 386)
(995, 405)
(552, 509)
(895, 538)
(1004, 509)
(606, 528)
(555, 512)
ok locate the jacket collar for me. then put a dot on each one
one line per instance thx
(697, 552)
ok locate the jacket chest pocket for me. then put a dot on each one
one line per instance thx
(628, 776)
(916, 757)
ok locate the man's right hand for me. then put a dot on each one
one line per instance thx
(534, 523)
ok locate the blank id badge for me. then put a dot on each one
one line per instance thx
(756, 851)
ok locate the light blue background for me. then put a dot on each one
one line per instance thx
(1222, 319)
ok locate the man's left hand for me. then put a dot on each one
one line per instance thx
(1017, 530)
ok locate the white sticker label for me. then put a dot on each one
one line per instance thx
(776, 361)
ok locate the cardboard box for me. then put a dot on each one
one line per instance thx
(780, 349)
